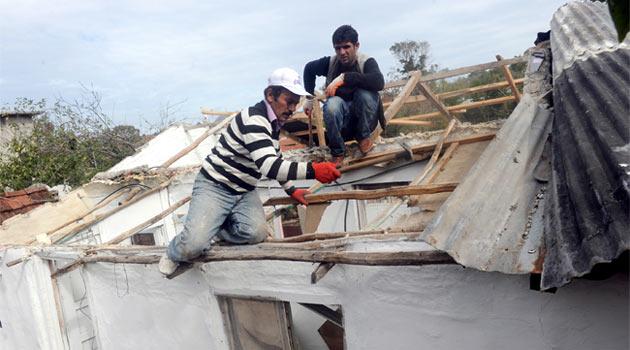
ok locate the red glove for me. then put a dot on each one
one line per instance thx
(326, 172)
(298, 195)
(331, 89)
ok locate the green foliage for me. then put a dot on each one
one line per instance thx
(620, 13)
(68, 144)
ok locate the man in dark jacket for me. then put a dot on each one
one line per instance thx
(353, 107)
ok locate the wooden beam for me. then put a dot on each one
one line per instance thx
(423, 257)
(398, 102)
(393, 154)
(418, 180)
(366, 194)
(306, 132)
(439, 166)
(466, 106)
(462, 92)
(322, 236)
(291, 136)
(420, 117)
(58, 237)
(508, 76)
(411, 122)
(459, 71)
(436, 152)
(321, 271)
(434, 100)
(198, 141)
(121, 237)
(209, 111)
(318, 119)
(324, 311)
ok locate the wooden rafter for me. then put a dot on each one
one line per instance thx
(458, 71)
(462, 92)
(508, 76)
(366, 194)
(435, 101)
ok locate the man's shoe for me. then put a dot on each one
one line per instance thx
(338, 160)
(366, 146)
(166, 265)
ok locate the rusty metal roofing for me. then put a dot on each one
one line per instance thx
(493, 220)
(587, 215)
(580, 30)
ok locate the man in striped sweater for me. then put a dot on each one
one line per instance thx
(224, 202)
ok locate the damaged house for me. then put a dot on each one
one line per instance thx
(509, 234)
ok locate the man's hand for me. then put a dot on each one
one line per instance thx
(326, 172)
(308, 106)
(331, 89)
(299, 194)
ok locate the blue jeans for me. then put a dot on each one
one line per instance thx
(214, 211)
(352, 120)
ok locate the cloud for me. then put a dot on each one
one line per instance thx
(142, 54)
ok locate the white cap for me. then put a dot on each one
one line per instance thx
(289, 79)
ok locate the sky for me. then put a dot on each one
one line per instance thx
(152, 58)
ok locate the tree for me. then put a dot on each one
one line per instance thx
(412, 56)
(69, 143)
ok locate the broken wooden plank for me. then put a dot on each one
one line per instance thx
(434, 100)
(321, 271)
(366, 194)
(508, 76)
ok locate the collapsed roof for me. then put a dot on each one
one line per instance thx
(523, 203)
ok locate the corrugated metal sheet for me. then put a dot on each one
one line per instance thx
(493, 220)
(587, 212)
(580, 30)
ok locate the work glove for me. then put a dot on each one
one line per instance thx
(299, 194)
(308, 106)
(331, 89)
(326, 172)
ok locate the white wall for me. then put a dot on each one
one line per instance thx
(134, 307)
(27, 305)
(433, 307)
(443, 307)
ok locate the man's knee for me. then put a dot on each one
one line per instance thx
(365, 99)
(333, 106)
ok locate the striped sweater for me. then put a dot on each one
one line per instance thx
(248, 149)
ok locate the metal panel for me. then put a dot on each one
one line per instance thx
(587, 216)
(492, 221)
(580, 30)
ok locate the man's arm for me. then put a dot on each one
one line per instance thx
(371, 79)
(314, 69)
